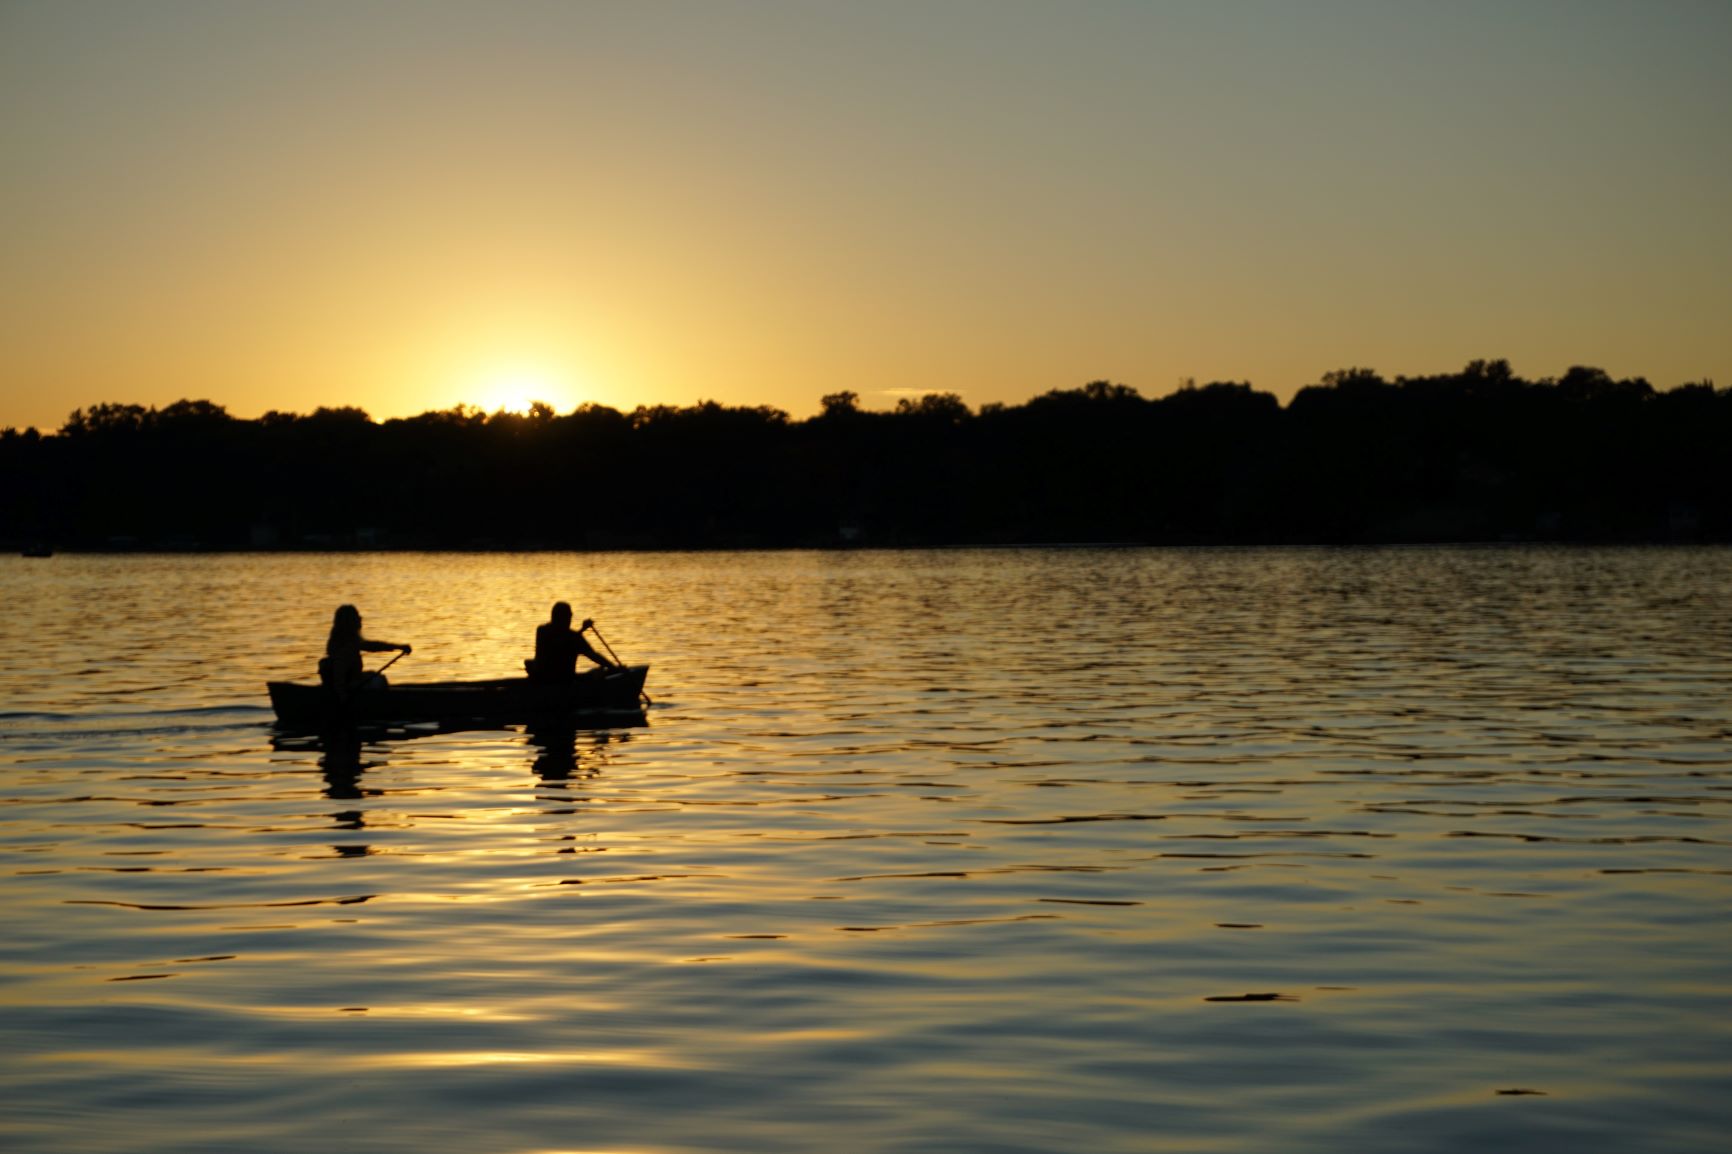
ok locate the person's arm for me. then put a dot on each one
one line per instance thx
(588, 650)
(383, 646)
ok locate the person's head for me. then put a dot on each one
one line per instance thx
(561, 613)
(347, 619)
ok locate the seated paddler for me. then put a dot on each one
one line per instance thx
(558, 646)
(340, 668)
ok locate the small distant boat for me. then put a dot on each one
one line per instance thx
(36, 549)
(509, 699)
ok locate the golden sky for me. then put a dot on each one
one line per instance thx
(403, 205)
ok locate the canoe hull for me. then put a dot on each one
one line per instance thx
(512, 699)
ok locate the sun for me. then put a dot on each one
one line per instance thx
(515, 388)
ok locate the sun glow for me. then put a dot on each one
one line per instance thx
(514, 389)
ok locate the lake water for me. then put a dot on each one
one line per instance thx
(1020, 850)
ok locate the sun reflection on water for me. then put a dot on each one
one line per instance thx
(1253, 847)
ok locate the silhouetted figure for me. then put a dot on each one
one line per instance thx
(557, 646)
(340, 668)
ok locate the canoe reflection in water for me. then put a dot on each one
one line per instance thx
(557, 751)
(340, 762)
(557, 758)
(564, 751)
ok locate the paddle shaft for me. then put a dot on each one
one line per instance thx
(344, 691)
(388, 664)
(616, 659)
(604, 644)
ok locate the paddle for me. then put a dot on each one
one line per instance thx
(401, 653)
(590, 625)
(342, 692)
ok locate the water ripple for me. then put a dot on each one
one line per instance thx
(916, 851)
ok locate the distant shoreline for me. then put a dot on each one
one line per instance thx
(16, 548)
(1469, 457)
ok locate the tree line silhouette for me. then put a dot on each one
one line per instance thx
(1476, 455)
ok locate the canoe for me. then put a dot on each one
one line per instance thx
(509, 699)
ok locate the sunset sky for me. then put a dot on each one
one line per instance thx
(404, 205)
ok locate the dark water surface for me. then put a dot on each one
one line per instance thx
(1262, 850)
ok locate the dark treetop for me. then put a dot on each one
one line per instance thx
(1475, 455)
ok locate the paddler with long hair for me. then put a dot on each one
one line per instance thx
(340, 668)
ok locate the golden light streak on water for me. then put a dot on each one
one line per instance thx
(1286, 850)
